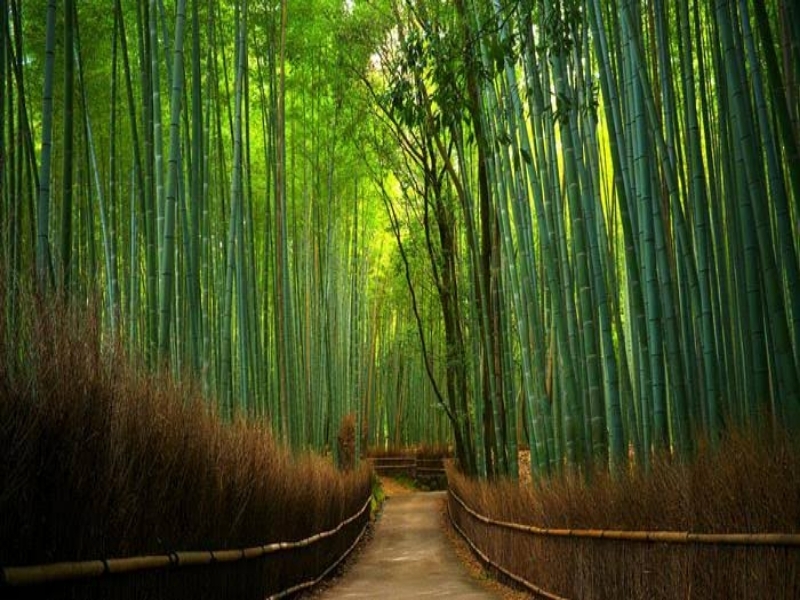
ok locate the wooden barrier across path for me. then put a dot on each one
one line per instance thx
(424, 471)
(587, 563)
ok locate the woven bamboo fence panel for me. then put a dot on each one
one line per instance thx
(605, 564)
(255, 572)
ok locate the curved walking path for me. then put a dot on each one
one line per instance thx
(409, 557)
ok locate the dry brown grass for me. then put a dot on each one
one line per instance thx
(750, 483)
(102, 460)
(396, 487)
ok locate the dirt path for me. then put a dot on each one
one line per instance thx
(409, 557)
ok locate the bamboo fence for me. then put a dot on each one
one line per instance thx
(31, 575)
(421, 470)
(664, 537)
(785, 543)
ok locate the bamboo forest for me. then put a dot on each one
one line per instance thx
(564, 228)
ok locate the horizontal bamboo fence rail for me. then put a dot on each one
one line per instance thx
(394, 466)
(312, 582)
(600, 564)
(663, 537)
(18, 576)
(520, 580)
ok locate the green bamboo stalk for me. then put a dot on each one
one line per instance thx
(158, 143)
(148, 196)
(524, 289)
(133, 258)
(786, 256)
(167, 259)
(284, 348)
(543, 195)
(237, 198)
(7, 233)
(198, 200)
(105, 225)
(67, 141)
(699, 202)
(787, 399)
(113, 186)
(43, 212)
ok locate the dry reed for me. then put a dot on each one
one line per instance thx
(101, 460)
(749, 483)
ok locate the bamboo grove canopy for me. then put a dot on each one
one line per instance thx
(569, 224)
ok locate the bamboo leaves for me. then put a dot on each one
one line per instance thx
(694, 209)
(597, 202)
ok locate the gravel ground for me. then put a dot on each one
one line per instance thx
(410, 557)
(477, 573)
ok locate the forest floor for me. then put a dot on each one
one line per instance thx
(414, 553)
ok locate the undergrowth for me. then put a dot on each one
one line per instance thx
(101, 459)
(378, 496)
(748, 483)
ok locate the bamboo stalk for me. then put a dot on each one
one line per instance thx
(17, 576)
(136, 563)
(43, 205)
(229, 555)
(193, 558)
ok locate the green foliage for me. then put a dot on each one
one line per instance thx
(378, 496)
(589, 168)
(594, 205)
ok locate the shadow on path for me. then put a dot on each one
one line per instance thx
(409, 557)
